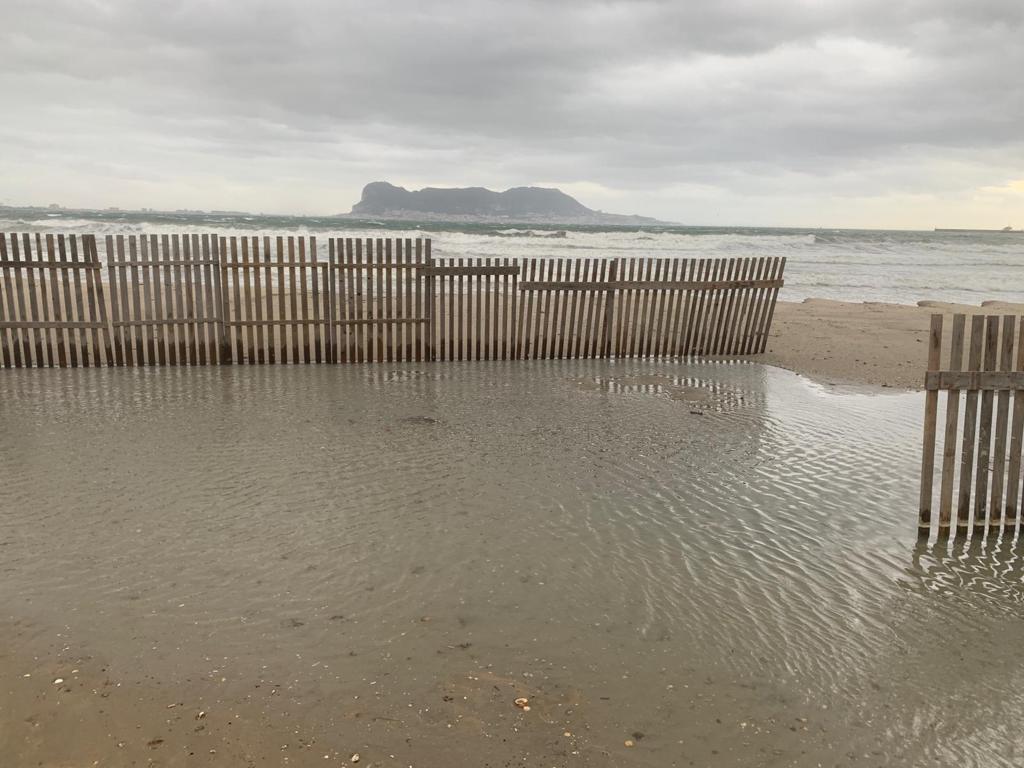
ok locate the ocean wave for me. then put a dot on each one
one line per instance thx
(549, 234)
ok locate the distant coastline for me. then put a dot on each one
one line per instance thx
(1003, 231)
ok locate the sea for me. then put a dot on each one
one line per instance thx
(894, 266)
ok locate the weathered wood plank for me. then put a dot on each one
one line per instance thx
(974, 380)
(55, 305)
(949, 451)
(8, 263)
(981, 510)
(970, 427)
(1013, 470)
(930, 420)
(464, 270)
(1001, 423)
(170, 289)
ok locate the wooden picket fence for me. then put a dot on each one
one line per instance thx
(52, 310)
(980, 471)
(204, 299)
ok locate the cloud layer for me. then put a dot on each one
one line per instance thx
(814, 112)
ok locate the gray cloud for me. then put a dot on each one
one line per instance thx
(685, 109)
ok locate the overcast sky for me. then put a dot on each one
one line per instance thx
(861, 113)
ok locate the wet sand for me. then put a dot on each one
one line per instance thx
(836, 342)
(290, 565)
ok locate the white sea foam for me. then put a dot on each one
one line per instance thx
(852, 265)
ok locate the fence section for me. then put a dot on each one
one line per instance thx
(203, 299)
(472, 308)
(647, 307)
(165, 299)
(980, 471)
(380, 308)
(52, 307)
(276, 301)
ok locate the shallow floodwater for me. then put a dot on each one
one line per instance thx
(288, 565)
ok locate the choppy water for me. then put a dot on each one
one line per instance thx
(720, 558)
(850, 265)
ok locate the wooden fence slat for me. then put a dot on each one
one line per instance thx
(387, 276)
(931, 407)
(742, 305)
(169, 288)
(1013, 472)
(245, 251)
(769, 307)
(949, 453)
(401, 330)
(525, 311)
(432, 311)
(731, 272)
(101, 302)
(970, 426)
(83, 286)
(677, 325)
(981, 509)
(335, 302)
(488, 309)
(363, 301)
(37, 303)
(11, 338)
(147, 302)
(267, 341)
(181, 300)
(199, 303)
(31, 341)
(252, 292)
(293, 306)
(1001, 423)
(55, 310)
(317, 330)
(696, 310)
(68, 248)
(641, 332)
(192, 294)
(233, 290)
(210, 308)
(152, 248)
(68, 334)
(140, 332)
(737, 303)
(306, 331)
(758, 332)
(547, 267)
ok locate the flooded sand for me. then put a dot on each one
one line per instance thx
(290, 565)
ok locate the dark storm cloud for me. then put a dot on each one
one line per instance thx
(626, 95)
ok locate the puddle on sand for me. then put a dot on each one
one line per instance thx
(380, 560)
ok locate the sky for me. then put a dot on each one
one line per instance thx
(844, 113)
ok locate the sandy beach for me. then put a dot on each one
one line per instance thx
(840, 343)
